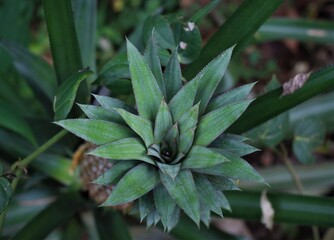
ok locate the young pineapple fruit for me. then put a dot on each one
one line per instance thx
(170, 154)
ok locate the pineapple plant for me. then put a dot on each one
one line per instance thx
(169, 153)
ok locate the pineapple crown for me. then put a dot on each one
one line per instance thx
(170, 154)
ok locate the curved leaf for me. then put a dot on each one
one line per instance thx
(141, 126)
(145, 87)
(173, 76)
(210, 76)
(96, 131)
(10, 120)
(124, 149)
(163, 122)
(97, 112)
(165, 205)
(202, 157)
(135, 183)
(66, 93)
(184, 192)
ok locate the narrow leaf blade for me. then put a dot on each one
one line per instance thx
(96, 131)
(137, 182)
(146, 90)
(216, 122)
(184, 192)
(66, 94)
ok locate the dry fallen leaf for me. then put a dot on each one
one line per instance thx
(295, 83)
(267, 211)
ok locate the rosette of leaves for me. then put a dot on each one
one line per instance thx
(170, 153)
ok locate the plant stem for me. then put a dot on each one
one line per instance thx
(18, 167)
(298, 183)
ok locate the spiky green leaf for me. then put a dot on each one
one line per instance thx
(237, 168)
(146, 90)
(202, 157)
(207, 194)
(146, 205)
(96, 131)
(163, 122)
(210, 77)
(220, 196)
(115, 173)
(183, 100)
(123, 149)
(216, 122)
(221, 183)
(232, 144)
(172, 76)
(153, 61)
(66, 93)
(165, 205)
(110, 103)
(234, 95)
(183, 191)
(141, 126)
(135, 183)
(97, 112)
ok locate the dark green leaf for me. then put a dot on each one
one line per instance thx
(234, 95)
(115, 173)
(309, 134)
(289, 208)
(183, 100)
(111, 225)
(11, 120)
(165, 205)
(274, 103)
(5, 193)
(85, 16)
(135, 183)
(172, 76)
(39, 74)
(254, 13)
(189, 41)
(184, 192)
(146, 90)
(61, 210)
(63, 38)
(202, 157)
(97, 112)
(237, 168)
(66, 94)
(216, 122)
(146, 205)
(153, 61)
(139, 125)
(123, 149)
(305, 30)
(163, 122)
(96, 131)
(202, 12)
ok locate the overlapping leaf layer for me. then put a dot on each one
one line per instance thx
(171, 154)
